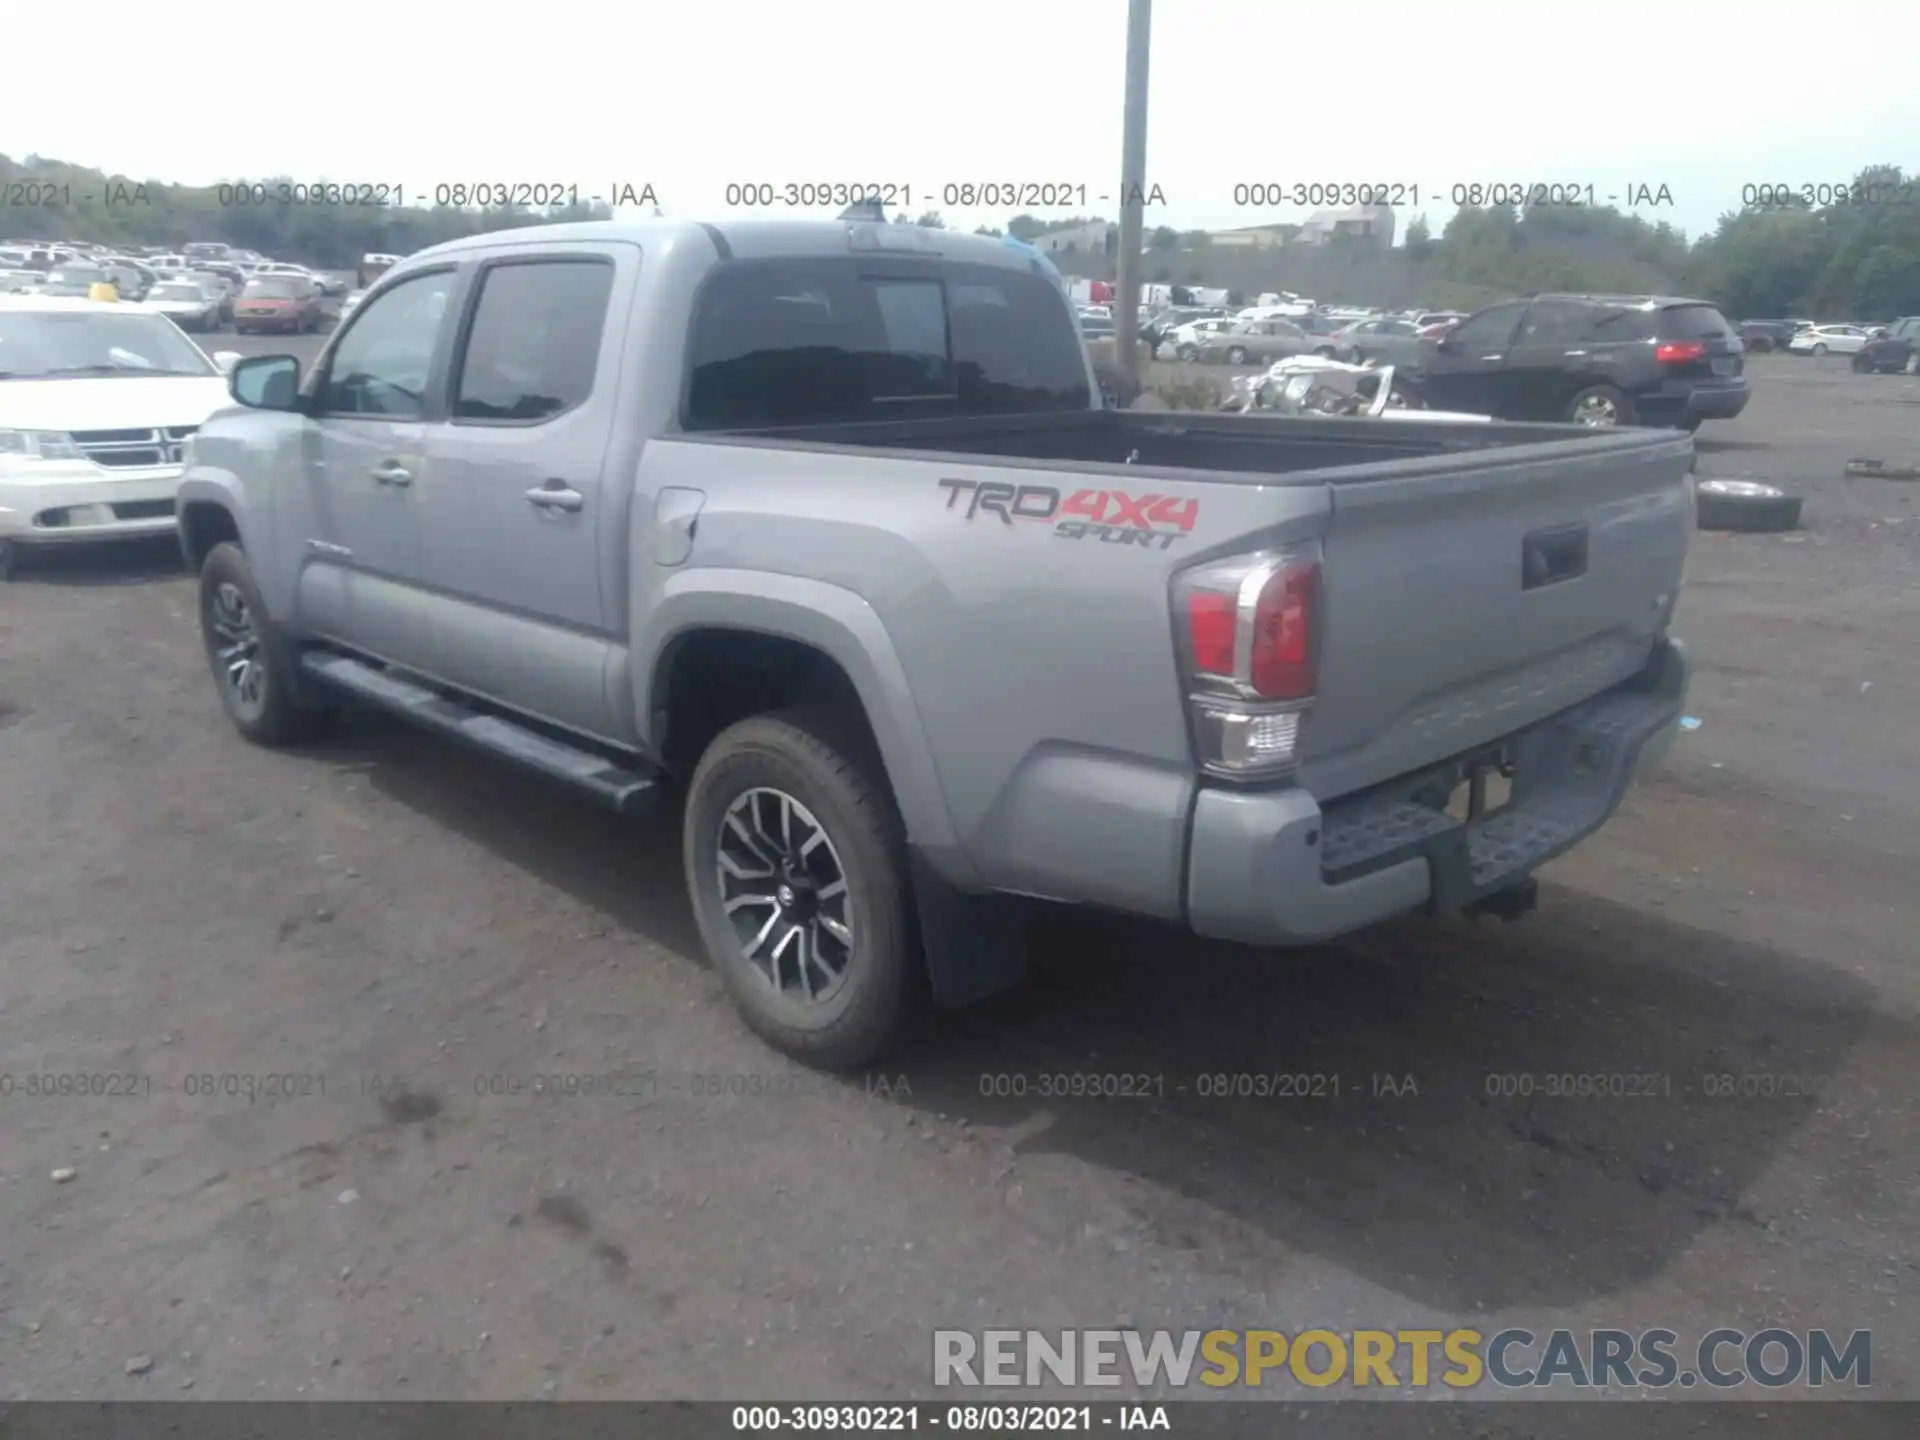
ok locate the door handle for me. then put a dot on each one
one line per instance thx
(392, 472)
(556, 495)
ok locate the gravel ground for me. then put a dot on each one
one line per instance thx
(405, 929)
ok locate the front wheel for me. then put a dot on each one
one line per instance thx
(1189, 353)
(252, 665)
(796, 865)
(1863, 364)
(1819, 352)
(1236, 356)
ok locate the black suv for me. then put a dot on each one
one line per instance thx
(1895, 350)
(1591, 360)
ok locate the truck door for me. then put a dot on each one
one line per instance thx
(516, 506)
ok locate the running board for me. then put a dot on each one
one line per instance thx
(613, 785)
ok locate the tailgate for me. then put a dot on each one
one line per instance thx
(1466, 597)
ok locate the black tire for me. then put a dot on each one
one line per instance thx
(273, 714)
(1819, 351)
(1863, 363)
(1751, 508)
(813, 758)
(9, 558)
(1593, 399)
(1760, 345)
(1236, 356)
(1187, 353)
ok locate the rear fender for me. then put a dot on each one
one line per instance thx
(845, 628)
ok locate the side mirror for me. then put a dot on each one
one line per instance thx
(265, 382)
(226, 360)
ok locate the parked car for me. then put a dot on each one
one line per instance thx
(20, 282)
(1163, 323)
(96, 402)
(190, 304)
(1436, 329)
(74, 282)
(1183, 341)
(964, 686)
(1591, 360)
(277, 302)
(1256, 342)
(1829, 340)
(223, 286)
(350, 302)
(1423, 319)
(1896, 350)
(1389, 342)
(1765, 336)
(130, 279)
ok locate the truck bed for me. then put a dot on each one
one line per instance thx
(1226, 447)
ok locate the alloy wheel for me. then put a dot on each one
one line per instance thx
(1596, 411)
(783, 890)
(236, 646)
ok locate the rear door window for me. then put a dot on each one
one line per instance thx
(534, 344)
(816, 341)
(1489, 332)
(1554, 323)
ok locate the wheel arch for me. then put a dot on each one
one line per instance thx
(720, 645)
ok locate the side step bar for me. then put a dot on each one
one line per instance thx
(614, 785)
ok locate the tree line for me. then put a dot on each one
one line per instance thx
(1855, 258)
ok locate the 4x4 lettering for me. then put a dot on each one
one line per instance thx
(1090, 503)
(1131, 509)
(1176, 512)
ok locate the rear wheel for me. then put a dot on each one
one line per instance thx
(1236, 356)
(1863, 364)
(252, 663)
(796, 864)
(1599, 406)
(1819, 351)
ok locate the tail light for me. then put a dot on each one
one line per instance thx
(1249, 641)
(1679, 352)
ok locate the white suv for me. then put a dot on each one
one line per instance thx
(97, 402)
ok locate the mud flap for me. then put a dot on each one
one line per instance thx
(975, 945)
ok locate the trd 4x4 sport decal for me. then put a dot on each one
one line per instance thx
(1113, 516)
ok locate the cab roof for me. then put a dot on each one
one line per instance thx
(761, 239)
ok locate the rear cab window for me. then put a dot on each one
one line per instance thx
(822, 340)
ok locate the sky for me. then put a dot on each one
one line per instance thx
(1700, 99)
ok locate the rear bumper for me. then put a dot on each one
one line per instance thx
(1719, 402)
(1277, 869)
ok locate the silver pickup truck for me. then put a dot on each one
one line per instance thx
(821, 530)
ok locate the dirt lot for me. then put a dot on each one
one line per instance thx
(403, 928)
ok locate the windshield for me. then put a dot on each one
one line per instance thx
(38, 344)
(175, 292)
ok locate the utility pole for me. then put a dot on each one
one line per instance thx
(1133, 191)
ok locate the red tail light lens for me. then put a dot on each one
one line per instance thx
(1679, 352)
(1282, 662)
(1213, 624)
(1249, 626)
